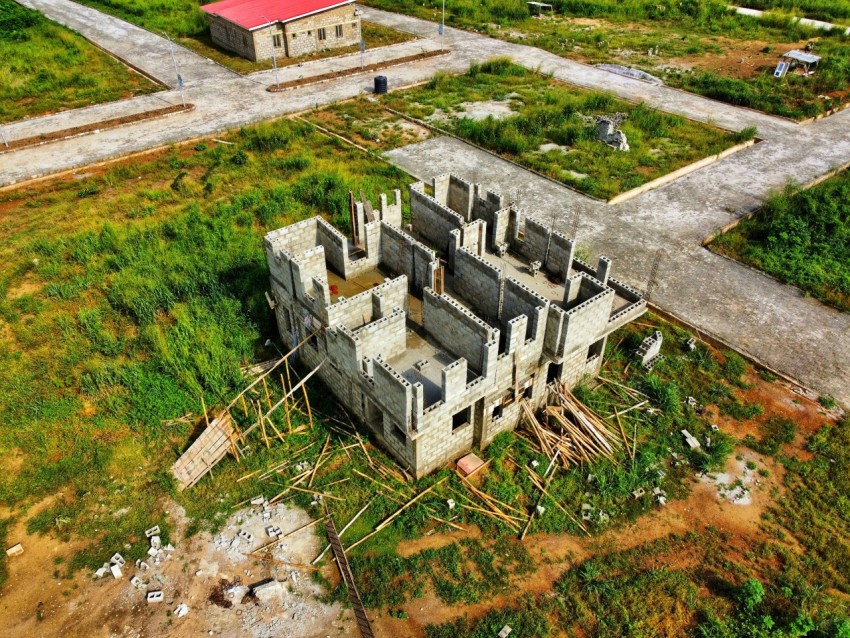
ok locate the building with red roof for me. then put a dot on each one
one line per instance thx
(259, 29)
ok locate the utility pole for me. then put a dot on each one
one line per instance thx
(274, 53)
(176, 72)
(443, 26)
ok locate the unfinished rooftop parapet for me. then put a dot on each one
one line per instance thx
(432, 339)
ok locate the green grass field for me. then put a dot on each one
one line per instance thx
(702, 47)
(546, 112)
(45, 68)
(183, 20)
(127, 296)
(802, 238)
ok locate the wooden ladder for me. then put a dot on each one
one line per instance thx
(348, 578)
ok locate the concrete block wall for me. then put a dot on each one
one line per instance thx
(519, 299)
(487, 202)
(474, 236)
(535, 241)
(498, 226)
(431, 219)
(389, 295)
(402, 254)
(379, 301)
(383, 337)
(335, 245)
(308, 266)
(391, 392)
(440, 187)
(454, 381)
(587, 322)
(302, 36)
(458, 330)
(232, 37)
(297, 237)
(554, 340)
(352, 312)
(561, 254)
(391, 213)
(264, 42)
(424, 264)
(460, 197)
(479, 283)
(575, 368)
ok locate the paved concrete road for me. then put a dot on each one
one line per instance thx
(772, 322)
(769, 321)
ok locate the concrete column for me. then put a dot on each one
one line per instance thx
(603, 269)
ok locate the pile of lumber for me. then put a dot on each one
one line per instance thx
(571, 433)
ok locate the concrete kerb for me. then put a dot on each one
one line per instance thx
(681, 172)
(370, 68)
(103, 125)
(129, 64)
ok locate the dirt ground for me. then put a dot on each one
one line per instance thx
(36, 601)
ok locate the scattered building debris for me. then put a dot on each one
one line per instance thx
(15, 550)
(629, 72)
(470, 464)
(649, 350)
(691, 440)
(504, 632)
(268, 591)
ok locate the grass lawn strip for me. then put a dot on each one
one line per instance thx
(45, 68)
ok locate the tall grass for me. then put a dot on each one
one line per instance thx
(802, 238)
(120, 309)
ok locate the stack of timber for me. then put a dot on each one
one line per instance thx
(571, 433)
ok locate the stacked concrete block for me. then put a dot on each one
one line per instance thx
(391, 213)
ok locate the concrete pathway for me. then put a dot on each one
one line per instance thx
(769, 321)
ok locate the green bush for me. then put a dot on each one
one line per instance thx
(775, 432)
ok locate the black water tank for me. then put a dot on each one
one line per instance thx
(380, 84)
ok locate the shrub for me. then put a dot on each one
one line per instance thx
(775, 432)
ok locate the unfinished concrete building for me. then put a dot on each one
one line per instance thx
(433, 336)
